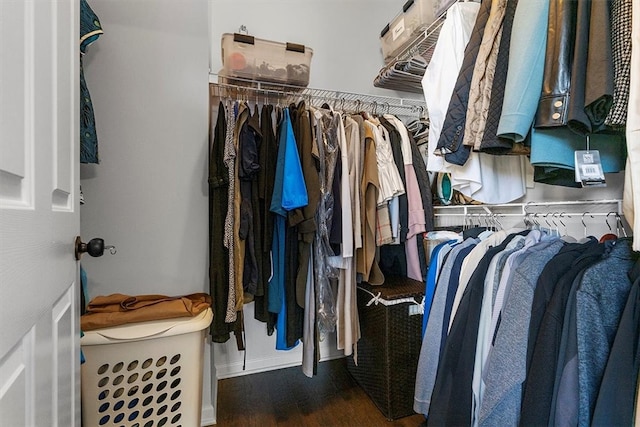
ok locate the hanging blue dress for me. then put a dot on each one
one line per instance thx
(288, 194)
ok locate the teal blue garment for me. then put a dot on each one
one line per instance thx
(90, 30)
(526, 69)
(288, 194)
(276, 284)
(553, 153)
(84, 290)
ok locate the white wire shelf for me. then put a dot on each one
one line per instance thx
(423, 45)
(562, 217)
(592, 208)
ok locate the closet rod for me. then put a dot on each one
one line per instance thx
(522, 209)
(340, 100)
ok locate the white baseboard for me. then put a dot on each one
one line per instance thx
(266, 364)
(208, 417)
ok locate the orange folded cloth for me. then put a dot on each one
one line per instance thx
(119, 309)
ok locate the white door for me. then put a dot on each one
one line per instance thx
(39, 213)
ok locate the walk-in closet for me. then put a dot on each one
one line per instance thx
(320, 212)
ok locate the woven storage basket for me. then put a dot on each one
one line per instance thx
(389, 348)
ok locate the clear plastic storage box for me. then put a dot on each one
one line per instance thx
(248, 57)
(144, 374)
(415, 15)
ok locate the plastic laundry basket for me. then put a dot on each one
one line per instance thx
(144, 374)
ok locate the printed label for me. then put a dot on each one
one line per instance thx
(398, 29)
(588, 169)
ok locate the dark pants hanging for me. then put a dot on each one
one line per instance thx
(219, 255)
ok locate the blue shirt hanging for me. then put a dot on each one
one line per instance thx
(288, 194)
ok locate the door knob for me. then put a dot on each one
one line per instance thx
(95, 247)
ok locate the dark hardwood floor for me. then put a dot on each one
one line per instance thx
(286, 397)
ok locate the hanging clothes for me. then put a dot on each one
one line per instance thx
(249, 140)
(219, 255)
(287, 195)
(367, 264)
(615, 403)
(530, 342)
(476, 175)
(577, 92)
(483, 72)
(306, 223)
(440, 77)
(526, 67)
(392, 260)
(90, 31)
(578, 74)
(268, 216)
(431, 348)
(494, 277)
(631, 202)
(239, 247)
(553, 154)
(229, 222)
(347, 329)
(328, 149)
(489, 141)
(538, 387)
(435, 263)
(547, 280)
(452, 392)
(600, 300)
(416, 215)
(452, 135)
(506, 368)
(621, 31)
(266, 176)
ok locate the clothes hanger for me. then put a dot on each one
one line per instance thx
(583, 223)
(609, 235)
(563, 235)
(536, 224)
(554, 229)
(560, 216)
(620, 225)
(497, 222)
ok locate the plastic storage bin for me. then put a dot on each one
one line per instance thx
(252, 58)
(389, 347)
(415, 15)
(144, 374)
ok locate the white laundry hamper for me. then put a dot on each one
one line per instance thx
(146, 374)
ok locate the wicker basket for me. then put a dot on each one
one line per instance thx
(390, 345)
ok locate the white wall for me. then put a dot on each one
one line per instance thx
(148, 77)
(344, 35)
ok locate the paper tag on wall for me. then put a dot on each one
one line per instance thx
(398, 29)
(588, 169)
